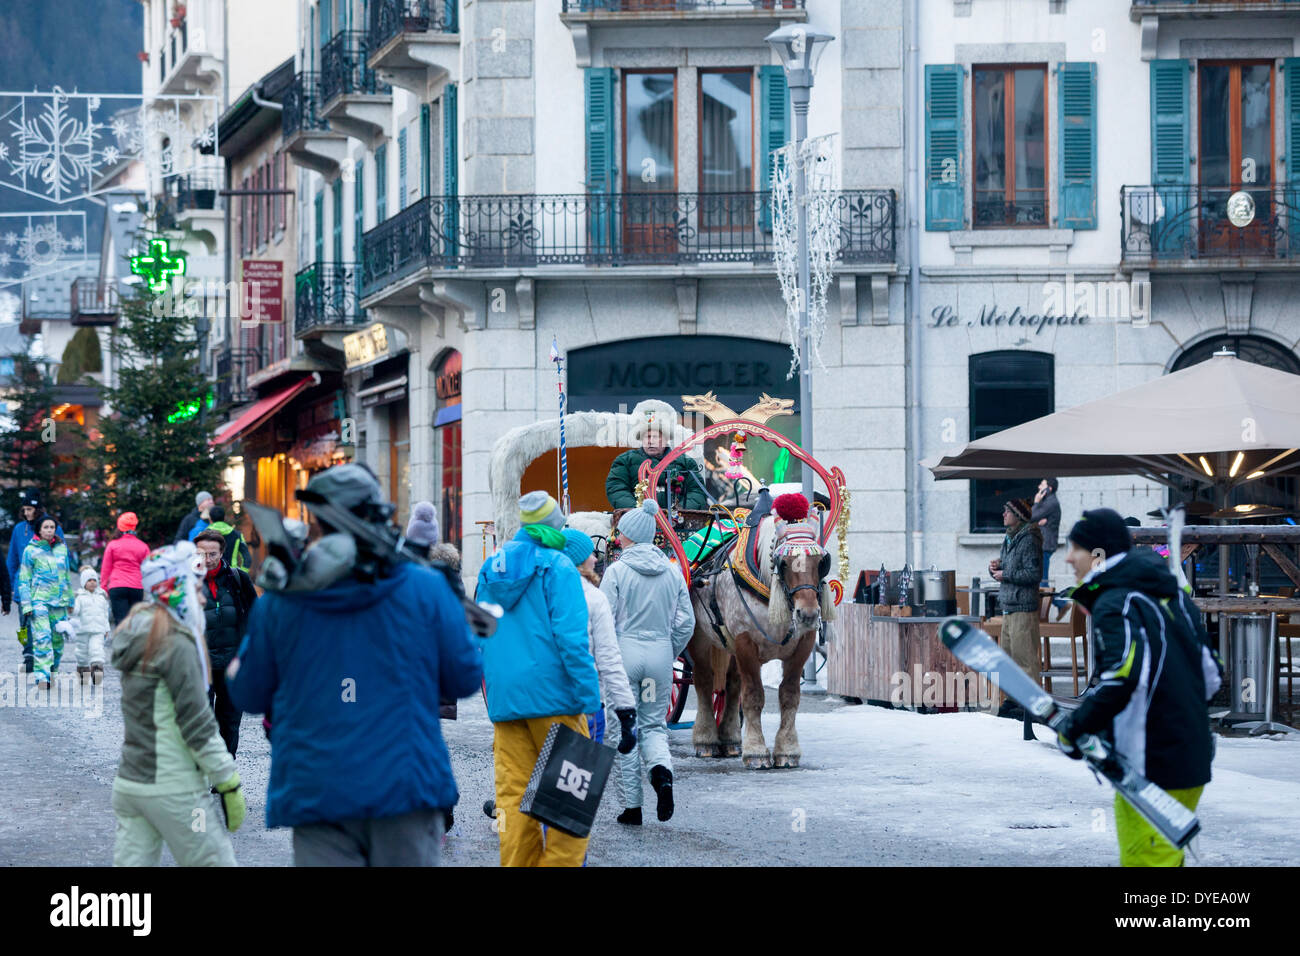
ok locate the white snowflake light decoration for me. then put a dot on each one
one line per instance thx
(56, 148)
(41, 245)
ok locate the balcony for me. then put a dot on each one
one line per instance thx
(325, 299)
(443, 233)
(306, 132)
(413, 43)
(95, 301)
(1210, 227)
(353, 99)
(233, 369)
(185, 69)
(190, 203)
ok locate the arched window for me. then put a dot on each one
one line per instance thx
(1249, 348)
(1006, 388)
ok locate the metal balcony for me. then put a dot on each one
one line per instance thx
(95, 301)
(411, 43)
(325, 299)
(630, 229)
(1190, 227)
(233, 368)
(354, 100)
(305, 130)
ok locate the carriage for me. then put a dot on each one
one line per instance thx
(700, 542)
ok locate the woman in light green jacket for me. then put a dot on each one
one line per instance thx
(176, 783)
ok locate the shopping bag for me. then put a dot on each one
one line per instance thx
(567, 781)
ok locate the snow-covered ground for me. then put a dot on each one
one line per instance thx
(876, 787)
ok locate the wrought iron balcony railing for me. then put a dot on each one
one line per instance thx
(676, 6)
(325, 296)
(343, 68)
(1185, 223)
(388, 18)
(233, 369)
(301, 106)
(95, 301)
(483, 232)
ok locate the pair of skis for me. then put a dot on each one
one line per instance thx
(977, 649)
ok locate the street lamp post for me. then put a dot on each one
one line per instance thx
(800, 48)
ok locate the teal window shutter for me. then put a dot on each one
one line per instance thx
(320, 225)
(424, 149)
(602, 174)
(450, 170)
(381, 183)
(401, 169)
(774, 129)
(338, 221)
(1077, 178)
(1171, 163)
(1291, 72)
(358, 225)
(945, 183)
(326, 22)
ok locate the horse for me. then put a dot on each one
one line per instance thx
(735, 634)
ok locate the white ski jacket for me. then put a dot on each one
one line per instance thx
(615, 689)
(91, 612)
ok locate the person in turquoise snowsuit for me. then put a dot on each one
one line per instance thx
(45, 596)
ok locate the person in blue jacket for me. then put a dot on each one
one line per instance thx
(353, 672)
(22, 536)
(539, 671)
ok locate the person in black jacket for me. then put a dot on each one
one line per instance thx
(229, 594)
(1156, 670)
(190, 520)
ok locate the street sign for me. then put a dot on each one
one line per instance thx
(263, 291)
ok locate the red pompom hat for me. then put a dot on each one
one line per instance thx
(793, 507)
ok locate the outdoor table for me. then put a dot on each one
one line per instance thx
(1257, 605)
(884, 660)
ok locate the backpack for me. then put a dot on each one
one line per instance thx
(236, 553)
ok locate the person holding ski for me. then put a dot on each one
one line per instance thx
(353, 655)
(1156, 669)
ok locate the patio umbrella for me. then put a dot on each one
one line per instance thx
(1222, 421)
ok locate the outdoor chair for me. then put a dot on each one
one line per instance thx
(1074, 627)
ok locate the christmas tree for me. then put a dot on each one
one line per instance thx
(28, 462)
(152, 454)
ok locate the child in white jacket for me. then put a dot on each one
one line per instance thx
(615, 688)
(90, 615)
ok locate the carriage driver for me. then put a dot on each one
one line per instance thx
(683, 475)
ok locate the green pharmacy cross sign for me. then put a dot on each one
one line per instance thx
(158, 265)
(188, 409)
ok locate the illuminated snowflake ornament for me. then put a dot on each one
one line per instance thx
(55, 149)
(41, 245)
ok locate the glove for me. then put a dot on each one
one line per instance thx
(627, 724)
(232, 802)
(1066, 737)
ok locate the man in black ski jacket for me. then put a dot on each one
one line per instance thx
(229, 595)
(1155, 668)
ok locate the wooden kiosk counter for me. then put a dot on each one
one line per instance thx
(899, 661)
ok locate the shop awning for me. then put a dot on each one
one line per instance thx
(261, 410)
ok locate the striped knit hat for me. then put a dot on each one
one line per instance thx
(537, 507)
(1020, 507)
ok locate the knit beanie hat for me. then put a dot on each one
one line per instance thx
(1020, 507)
(127, 521)
(88, 574)
(1102, 530)
(537, 507)
(577, 545)
(201, 497)
(638, 524)
(423, 526)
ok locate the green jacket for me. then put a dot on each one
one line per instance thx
(620, 486)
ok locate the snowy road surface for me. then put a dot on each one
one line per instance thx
(876, 787)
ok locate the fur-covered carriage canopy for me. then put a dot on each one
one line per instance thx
(527, 455)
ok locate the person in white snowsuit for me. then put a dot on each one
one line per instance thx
(654, 621)
(90, 618)
(615, 690)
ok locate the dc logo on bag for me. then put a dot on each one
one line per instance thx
(574, 780)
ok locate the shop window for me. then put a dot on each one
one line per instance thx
(447, 444)
(1010, 166)
(1006, 388)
